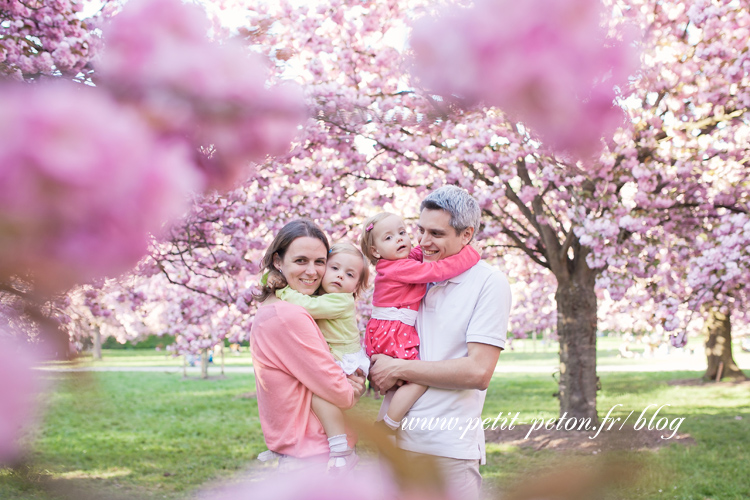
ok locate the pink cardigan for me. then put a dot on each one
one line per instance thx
(292, 361)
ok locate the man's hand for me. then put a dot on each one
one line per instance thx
(384, 372)
(473, 371)
(357, 380)
(275, 280)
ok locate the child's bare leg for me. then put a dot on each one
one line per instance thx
(330, 416)
(403, 399)
(332, 419)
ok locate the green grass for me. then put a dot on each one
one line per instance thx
(715, 468)
(528, 353)
(150, 434)
(155, 436)
(524, 354)
(116, 358)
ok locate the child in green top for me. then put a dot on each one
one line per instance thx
(347, 275)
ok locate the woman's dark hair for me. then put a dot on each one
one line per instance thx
(296, 229)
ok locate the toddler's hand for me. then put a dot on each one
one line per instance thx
(357, 381)
(275, 280)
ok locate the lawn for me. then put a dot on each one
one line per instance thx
(136, 358)
(154, 435)
(525, 353)
(716, 417)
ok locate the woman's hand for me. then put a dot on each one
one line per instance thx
(357, 380)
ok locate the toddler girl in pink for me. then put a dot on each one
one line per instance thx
(400, 283)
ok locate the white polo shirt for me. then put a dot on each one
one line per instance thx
(472, 307)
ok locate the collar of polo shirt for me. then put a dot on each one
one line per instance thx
(455, 279)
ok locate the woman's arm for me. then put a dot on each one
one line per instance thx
(328, 306)
(412, 271)
(305, 355)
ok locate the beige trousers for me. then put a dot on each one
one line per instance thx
(461, 477)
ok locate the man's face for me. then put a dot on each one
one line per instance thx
(436, 236)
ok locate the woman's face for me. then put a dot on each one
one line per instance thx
(303, 265)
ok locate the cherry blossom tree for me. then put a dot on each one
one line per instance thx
(88, 173)
(374, 144)
(378, 142)
(113, 308)
(699, 285)
(691, 179)
(378, 139)
(40, 38)
(131, 150)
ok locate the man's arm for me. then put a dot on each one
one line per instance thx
(485, 338)
(471, 372)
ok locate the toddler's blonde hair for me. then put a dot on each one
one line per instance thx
(367, 241)
(364, 277)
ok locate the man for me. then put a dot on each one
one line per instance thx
(462, 325)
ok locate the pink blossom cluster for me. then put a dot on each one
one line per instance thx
(310, 484)
(159, 59)
(115, 308)
(548, 63)
(41, 37)
(86, 179)
(83, 182)
(533, 290)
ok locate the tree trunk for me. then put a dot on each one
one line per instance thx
(97, 344)
(576, 328)
(222, 358)
(204, 363)
(718, 330)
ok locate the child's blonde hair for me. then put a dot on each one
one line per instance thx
(367, 240)
(364, 277)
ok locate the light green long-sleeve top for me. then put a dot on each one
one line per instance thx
(335, 315)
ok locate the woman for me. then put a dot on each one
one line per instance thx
(290, 356)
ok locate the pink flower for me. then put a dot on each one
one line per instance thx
(64, 41)
(159, 59)
(546, 62)
(82, 183)
(367, 482)
(527, 194)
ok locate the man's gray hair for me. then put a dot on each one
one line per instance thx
(462, 207)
